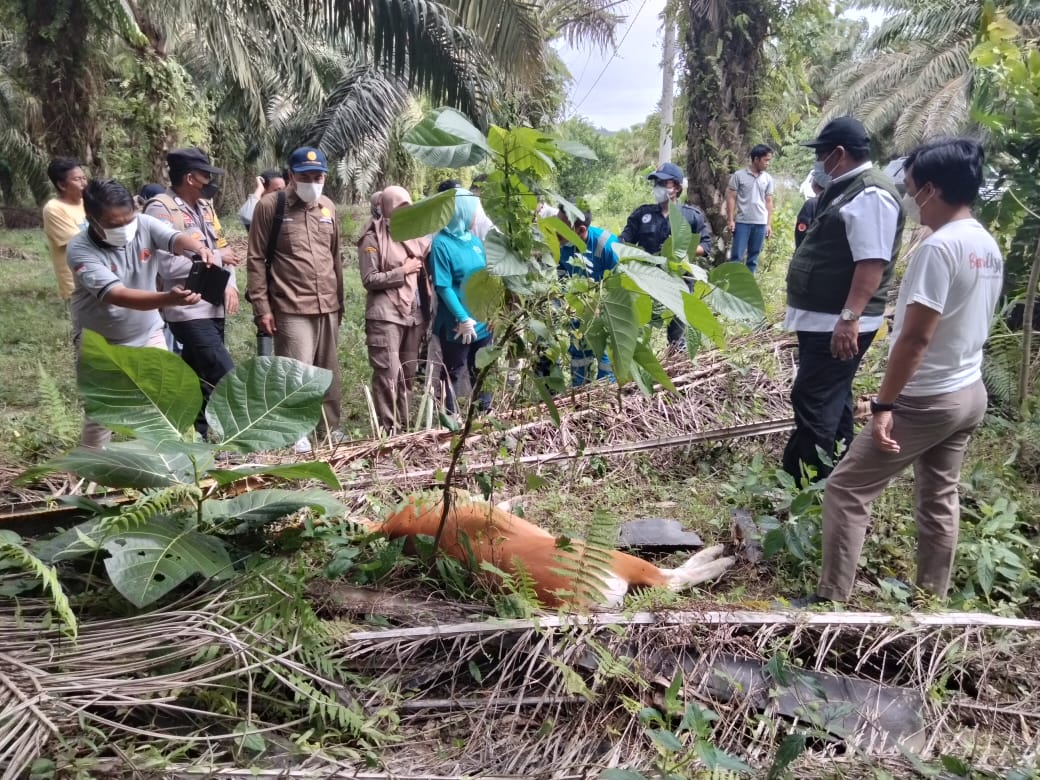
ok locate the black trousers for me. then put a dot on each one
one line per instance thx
(459, 357)
(202, 348)
(822, 400)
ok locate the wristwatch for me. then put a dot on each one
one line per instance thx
(848, 315)
(876, 406)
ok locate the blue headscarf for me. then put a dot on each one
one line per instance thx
(465, 211)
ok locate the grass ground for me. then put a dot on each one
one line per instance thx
(39, 416)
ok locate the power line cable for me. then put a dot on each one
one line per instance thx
(612, 56)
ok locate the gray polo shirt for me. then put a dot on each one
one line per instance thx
(751, 196)
(97, 268)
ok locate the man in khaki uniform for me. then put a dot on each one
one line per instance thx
(187, 206)
(298, 297)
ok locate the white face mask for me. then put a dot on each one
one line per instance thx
(911, 207)
(120, 236)
(309, 192)
(661, 193)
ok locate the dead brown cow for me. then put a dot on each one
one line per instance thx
(477, 532)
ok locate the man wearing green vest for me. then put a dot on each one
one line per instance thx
(837, 288)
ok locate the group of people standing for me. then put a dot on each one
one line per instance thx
(124, 274)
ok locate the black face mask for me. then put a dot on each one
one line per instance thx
(209, 191)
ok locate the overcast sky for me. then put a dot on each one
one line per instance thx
(629, 85)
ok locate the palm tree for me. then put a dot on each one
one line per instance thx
(913, 79)
(723, 45)
(330, 72)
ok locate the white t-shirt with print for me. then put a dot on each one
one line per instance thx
(957, 271)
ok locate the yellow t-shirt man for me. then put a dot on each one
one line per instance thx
(62, 221)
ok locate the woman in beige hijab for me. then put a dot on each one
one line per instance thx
(392, 272)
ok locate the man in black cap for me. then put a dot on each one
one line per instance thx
(297, 293)
(837, 288)
(187, 206)
(648, 228)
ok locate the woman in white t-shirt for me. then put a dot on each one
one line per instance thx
(932, 396)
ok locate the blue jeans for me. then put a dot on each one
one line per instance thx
(747, 238)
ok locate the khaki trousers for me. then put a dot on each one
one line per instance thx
(393, 352)
(933, 433)
(314, 339)
(95, 435)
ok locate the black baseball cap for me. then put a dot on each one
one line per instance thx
(844, 131)
(191, 159)
(667, 172)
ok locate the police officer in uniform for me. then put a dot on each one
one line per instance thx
(187, 206)
(648, 228)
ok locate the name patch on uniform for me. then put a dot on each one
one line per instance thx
(371, 249)
(325, 220)
(647, 218)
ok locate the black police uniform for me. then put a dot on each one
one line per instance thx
(648, 228)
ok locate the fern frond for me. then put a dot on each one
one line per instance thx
(53, 409)
(588, 564)
(13, 553)
(1000, 366)
(150, 506)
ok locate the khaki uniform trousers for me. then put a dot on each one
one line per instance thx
(393, 352)
(314, 339)
(933, 433)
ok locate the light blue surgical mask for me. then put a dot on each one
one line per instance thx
(819, 171)
(661, 193)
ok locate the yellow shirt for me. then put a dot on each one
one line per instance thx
(61, 222)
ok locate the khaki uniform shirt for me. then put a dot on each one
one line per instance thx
(306, 275)
(378, 305)
(201, 223)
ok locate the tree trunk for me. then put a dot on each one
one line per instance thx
(667, 91)
(1026, 368)
(57, 68)
(723, 52)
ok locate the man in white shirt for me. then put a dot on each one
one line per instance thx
(932, 396)
(837, 288)
(749, 207)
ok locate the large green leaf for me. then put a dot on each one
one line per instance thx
(658, 284)
(555, 225)
(576, 149)
(446, 139)
(267, 403)
(304, 470)
(682, 234)
(701, 318)
(647, 360)
(423, 218)
(485, 295)
(142, 391)
(147, 563)
(138, 464)
(80, 540)
(260, 507)
(622, 329)
(736, 294)
(501, 260)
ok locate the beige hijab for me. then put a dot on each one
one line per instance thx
(393, 254)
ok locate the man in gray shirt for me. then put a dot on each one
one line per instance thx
(114, 264)
(749, 207)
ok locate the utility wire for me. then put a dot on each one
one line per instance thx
(612, 56)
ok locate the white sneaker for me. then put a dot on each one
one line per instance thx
(303, 446)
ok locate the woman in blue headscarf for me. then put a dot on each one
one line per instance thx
(455, 255)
